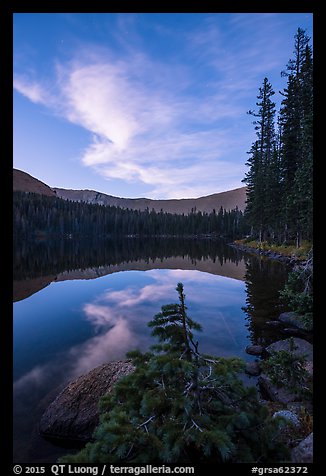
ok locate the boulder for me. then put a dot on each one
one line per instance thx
(301, 347)
(274, 393)
(303, 452)
(254, 349)
(74, 414)
(252, 368)
(295, 320)
(299, 407)
(289, 417)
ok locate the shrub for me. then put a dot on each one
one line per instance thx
(298, 291)
(285, 369)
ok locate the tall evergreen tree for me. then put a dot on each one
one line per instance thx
(279, 180)
(261, 162)
(296, 117)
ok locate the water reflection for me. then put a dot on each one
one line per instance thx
(47, 258)
(37, 264)
(118, 320)
(264, 279)
(76, 311)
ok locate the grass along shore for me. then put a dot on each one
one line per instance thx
(289, 251)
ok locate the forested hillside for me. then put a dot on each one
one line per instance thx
(36, 214)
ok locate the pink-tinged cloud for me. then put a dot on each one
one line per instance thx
(138, 124)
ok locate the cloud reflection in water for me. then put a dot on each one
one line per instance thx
(119, 319)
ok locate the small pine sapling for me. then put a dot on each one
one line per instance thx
(180, 406)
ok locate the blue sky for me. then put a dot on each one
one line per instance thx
(144, 105)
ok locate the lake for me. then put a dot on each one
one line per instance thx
(80, 304)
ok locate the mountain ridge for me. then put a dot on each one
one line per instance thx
(24, 182)
(228, 200)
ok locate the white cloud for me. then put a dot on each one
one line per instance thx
(99, 99)
(109, 346)
(31, 89)
(100, 316)
(168, 114)
(145, 127)
(130, 297)
(33, 377)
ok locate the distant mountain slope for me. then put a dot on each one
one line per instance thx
(26, 183)
(228, 200)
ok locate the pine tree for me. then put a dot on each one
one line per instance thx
(174, 326)
(273, 208)
(180, 406)
(279, 180)
(296, 119)
(262, 159)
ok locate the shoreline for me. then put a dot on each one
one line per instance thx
(291, 260)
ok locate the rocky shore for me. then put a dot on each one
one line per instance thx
(74, 415)
(286, 402)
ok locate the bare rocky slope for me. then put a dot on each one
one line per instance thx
(228, 200)
(26, 183)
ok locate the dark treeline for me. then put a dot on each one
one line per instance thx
(35, 258)
(37, 215)
(279, 180)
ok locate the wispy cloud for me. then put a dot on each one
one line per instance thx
(169, 124)
(108, 346)
(31, 90)
(139, 133)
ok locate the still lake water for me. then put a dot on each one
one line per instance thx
(78, 305)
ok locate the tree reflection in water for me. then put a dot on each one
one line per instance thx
(264, 279)
(41, 258)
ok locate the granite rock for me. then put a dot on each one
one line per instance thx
(74, 415)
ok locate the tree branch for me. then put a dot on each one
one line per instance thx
(147, 421)
(195, 425)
